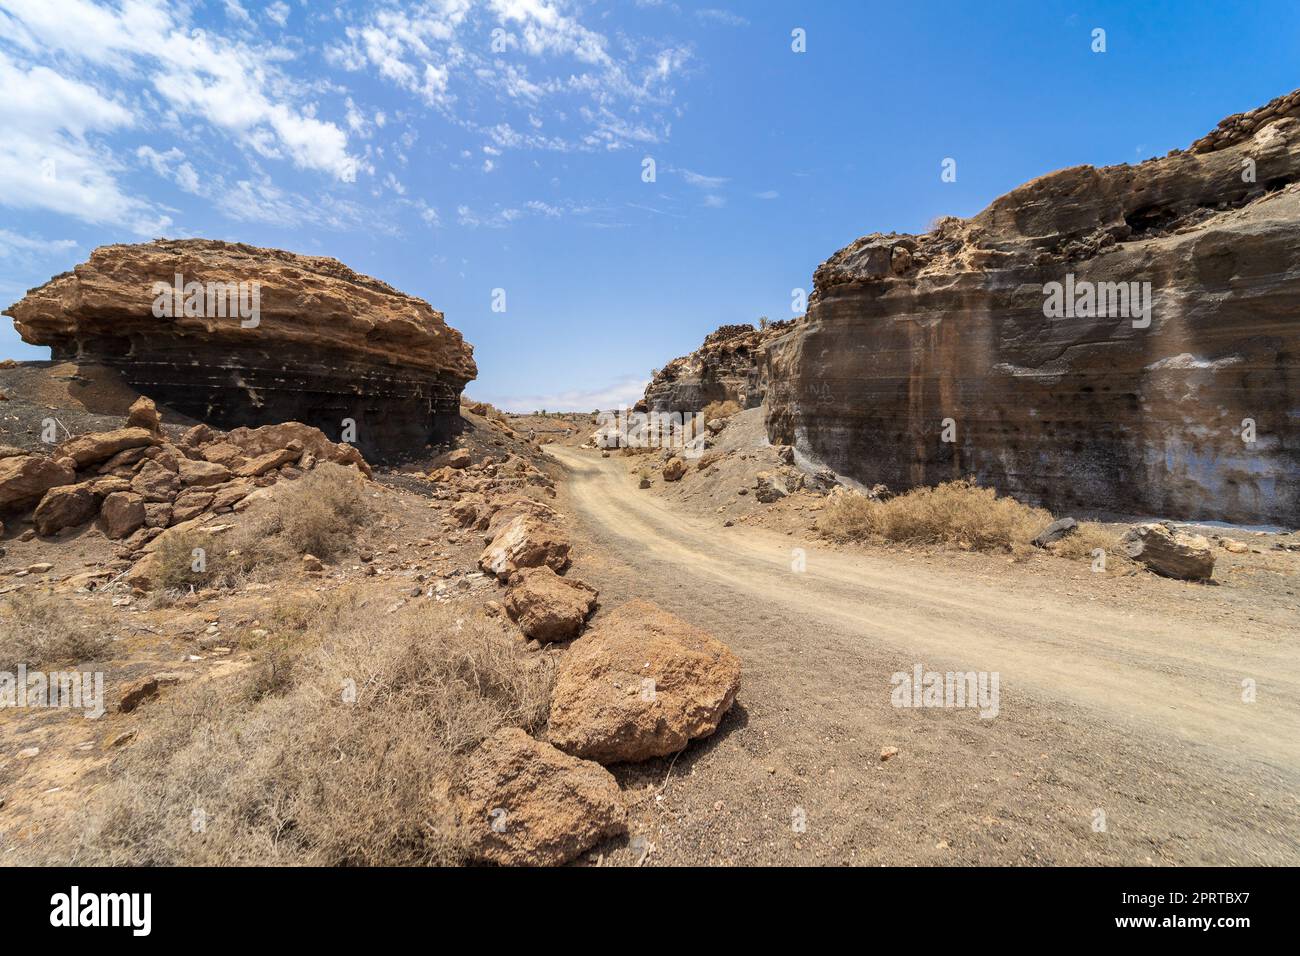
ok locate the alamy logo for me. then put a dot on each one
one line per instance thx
(1102, 300)
(213, 300)
(103, 909)
(73, 690)
(622, 429)
(922, 688)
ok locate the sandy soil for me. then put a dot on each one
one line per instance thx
(1120, 695)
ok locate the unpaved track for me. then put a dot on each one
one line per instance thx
(1135, 712)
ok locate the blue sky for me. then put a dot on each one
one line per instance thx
(456, 147)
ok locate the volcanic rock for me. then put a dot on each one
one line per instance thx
(25, 478)
(639, 684)
(548, 607)
(1169, 552)
(958, 365)
(724, 368)
(524, 803)
(674, 469)
(326, 345)
(122, 513)
(65, 506)
(525, 542)
(97, 446)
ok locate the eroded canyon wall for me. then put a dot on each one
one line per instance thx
(327, 347)
(1083, 411)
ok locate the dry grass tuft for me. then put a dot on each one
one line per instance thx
(959, 513)
(38, 628)
(721, 410)
(346, 759)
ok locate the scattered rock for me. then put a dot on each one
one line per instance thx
(1056, 531)
(1168, 552)
(524, 803)
(137, 693)
(122, 513)
(525, 542)
(25, 478)
(460, 458)
(674, 469)
(143, 413)
(640, 684)
(888, 752)
(97, 446)
(548, 607)
(769, 487)
(65, 506)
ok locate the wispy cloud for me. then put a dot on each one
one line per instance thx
(622, 392)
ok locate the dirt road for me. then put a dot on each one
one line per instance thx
(1121, 733)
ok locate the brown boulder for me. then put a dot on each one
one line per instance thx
(267, 462)
(674, 469)
(548, 607)
(154, 482)
(640, 684)
(525, 542)
(459, 458)
(1170, 553)
(524, 803)
(98, 446)
(190, 504)
(24, 478)
(143, 413)
(202, 473)
(224, 453)
(122, 513)
(65, 506)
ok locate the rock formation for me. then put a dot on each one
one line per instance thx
(724, 368)
(259, 336)
(925, 358)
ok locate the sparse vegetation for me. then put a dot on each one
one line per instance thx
(38, 628)
(957, 512)
(723, 409)
(345, 757)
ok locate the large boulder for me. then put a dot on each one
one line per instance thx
(769, 487)
(202, 473)
(143, 413)
(99, 446)
(674, 469)
(548, 607)
(122, 513)
(155, 482)
(524, 803)
(25, 478)
(65, 506)
(640, 684)
(1170, 552)
(525, 542)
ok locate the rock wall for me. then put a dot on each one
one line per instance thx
(328, 345)
(724, 368)
(909, 337)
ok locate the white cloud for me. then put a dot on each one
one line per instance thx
(12, 242)
(625, 392)
(703, 182)
(49, 158)
(236, 87)
(278, 11)
(767, 194)
(725, 17)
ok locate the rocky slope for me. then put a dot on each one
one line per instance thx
(325, 346)
(913, 339)
(724, 368)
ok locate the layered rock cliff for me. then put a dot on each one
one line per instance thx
(236, 335)
(724, 368)
(925, 358)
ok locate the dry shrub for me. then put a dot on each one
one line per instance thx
(723, 409)
(1087, 538)
(40, 627)
(318, 514)
(176, 558)
(297, 775)
(956, 512)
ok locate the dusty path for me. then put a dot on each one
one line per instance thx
(1131, 712)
